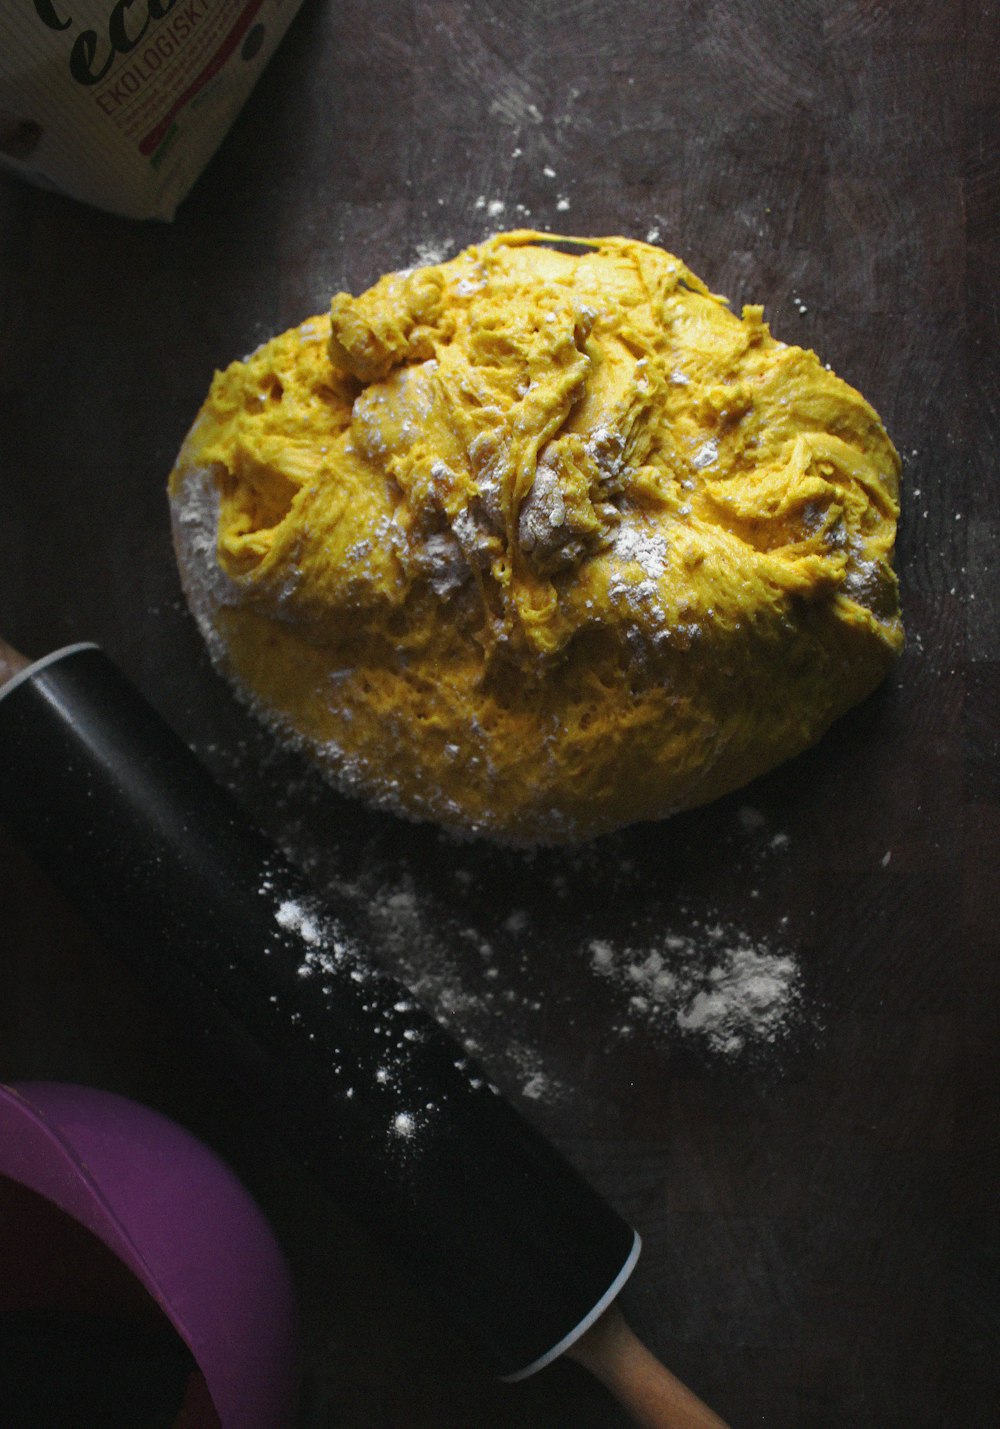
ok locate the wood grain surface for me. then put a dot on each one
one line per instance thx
(822, 1245)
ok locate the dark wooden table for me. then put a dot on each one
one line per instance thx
(822, 1246)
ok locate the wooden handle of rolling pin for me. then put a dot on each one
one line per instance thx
(650, 1393)
(10, 662)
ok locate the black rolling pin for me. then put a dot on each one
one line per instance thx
(368, 1091)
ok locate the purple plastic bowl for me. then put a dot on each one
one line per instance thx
(181, 1222)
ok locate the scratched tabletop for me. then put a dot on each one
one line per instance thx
(817, 1192)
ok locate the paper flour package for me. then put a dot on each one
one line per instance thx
(121, 103)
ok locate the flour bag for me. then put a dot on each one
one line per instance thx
(121, 103)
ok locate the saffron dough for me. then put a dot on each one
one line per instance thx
(542, 540)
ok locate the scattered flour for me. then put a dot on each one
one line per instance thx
(404, 1123)
(430, 253)
(476, 939)
(706, 987)
(717, 988)
(292, 914)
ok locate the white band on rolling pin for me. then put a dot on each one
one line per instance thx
(37, 665)
(589, 1319)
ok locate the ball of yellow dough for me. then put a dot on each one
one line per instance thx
(541, 540)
